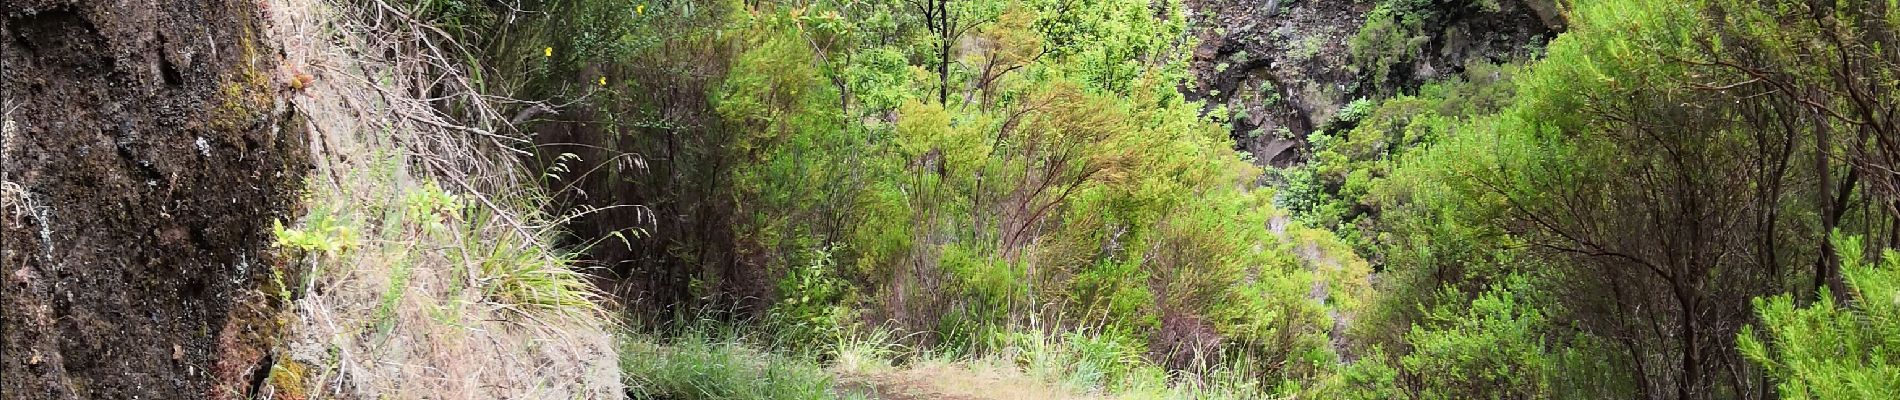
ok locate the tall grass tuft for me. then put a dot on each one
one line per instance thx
(710, 364)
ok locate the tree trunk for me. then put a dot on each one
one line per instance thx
(943, 53)
(1827, 267)
(1689, 384)
(1893, 232)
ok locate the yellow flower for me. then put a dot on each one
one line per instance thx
(640, 9)
(603, 80)
(548, 52)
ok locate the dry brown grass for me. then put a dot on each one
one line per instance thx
(461, 300)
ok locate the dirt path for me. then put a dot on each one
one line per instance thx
(958, 381)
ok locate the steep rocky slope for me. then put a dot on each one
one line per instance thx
(1284, 67)
(145, 153)
(438, 281)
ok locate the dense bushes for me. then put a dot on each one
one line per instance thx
(986, 176)
(1491, 348)
(1643, 173)
(1344, 184)
(1060, 186)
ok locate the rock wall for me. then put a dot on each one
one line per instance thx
(146, 152)
(1283, 67)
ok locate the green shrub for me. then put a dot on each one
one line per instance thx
(1831, 350)
(1396, 32)
(322, 233)
(1371, 377)
(1389, 37)
(1488, 348)
(814, 308)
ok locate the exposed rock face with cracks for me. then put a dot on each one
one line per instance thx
(146, 151)
(1284, 67)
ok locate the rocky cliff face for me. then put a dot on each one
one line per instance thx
(146, 152)
(1283, 67)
